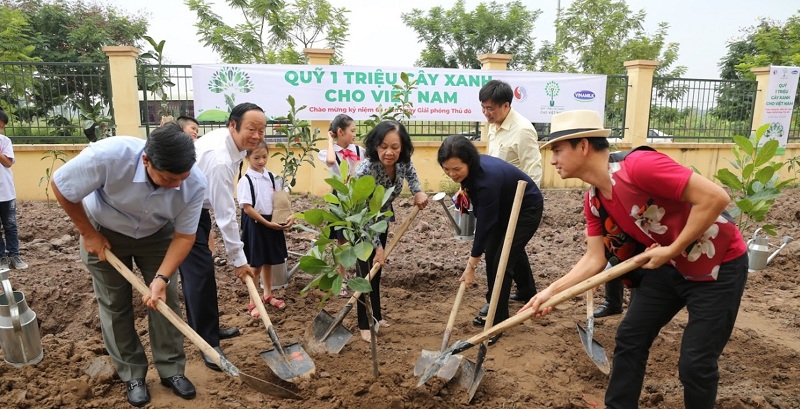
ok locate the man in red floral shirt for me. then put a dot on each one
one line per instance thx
(697, 258)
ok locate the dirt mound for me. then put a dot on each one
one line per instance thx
(539, 364)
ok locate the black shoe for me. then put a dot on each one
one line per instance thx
(180, 385)
(519, 297)
(494, 338)
(605, 309)
(484, 311)
(225, 333)
(479, 321)
(137, 392)
(211, 364)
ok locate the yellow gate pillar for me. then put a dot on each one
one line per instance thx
(762, 77)
(318, 173)
(637, 106)
(124, 91)
(497, 62)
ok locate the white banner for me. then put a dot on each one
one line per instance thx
(779, 103)
(441, 94)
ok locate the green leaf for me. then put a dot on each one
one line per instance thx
(376, 201)
(315, 217)
(332, 198)
(766, 152)
(348, 258)
(379, 227)
(744, 143)
(764, 175)
(313, 265)
(747, 171)
(727, 178)
(337, 184)
(359, 284)
(363, 188)
(363, 250)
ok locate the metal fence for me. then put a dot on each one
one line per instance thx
(45, 102)
(701, 110)
(50, 102)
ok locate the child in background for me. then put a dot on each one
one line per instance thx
(9, 249)
(264, 242)
(341, 135)
(190, 125)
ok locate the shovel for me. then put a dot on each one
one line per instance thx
(592, 347)
(449, 369)
(472, 374)
(289, 362)
(260, 385)
(327, 331)
(575, 290)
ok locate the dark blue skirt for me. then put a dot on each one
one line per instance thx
(262, 245)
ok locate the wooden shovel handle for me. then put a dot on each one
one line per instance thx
(164, 309)
(575, 290)
(389, 248)
(589, 303)
(504, 253)
(456, 304)
(256, 297)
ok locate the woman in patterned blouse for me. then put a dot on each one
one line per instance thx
(388, 160)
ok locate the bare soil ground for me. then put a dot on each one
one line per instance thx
(539, 364)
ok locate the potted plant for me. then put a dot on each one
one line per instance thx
(96, 124)
(156, 81)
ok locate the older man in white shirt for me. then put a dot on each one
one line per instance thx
(219, 154)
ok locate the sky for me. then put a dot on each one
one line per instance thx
(378, 36)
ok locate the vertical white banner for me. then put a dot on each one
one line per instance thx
(779, 103)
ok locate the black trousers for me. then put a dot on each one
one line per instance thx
(518, 264)
(375, 296)
(200, 285)
(712, 308)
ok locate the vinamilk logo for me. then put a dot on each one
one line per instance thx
(584, 96)
(520, 93)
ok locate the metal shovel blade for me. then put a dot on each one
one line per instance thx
(292, 364)
(472, 374)
(448, 369)
(339, 335)
(594, 349)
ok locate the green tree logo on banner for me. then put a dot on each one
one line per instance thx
(551, 90)
(226, 81)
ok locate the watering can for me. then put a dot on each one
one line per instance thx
(758, 250)
(463, 223)
(19, 330)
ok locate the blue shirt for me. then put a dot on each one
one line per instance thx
(491, 190)
(111, 180)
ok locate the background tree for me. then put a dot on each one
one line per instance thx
(15, 45)
(70, 31)
(598, 36)
(767, 43)
(273, 31)
(454, 38)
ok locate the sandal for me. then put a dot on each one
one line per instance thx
(275, 302)
(219, 261)
(343, 293)
(253, 311)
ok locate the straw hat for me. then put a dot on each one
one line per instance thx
(581, 123)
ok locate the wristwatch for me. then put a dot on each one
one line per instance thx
(163, 277)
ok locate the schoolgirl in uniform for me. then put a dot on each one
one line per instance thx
(264, 241)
